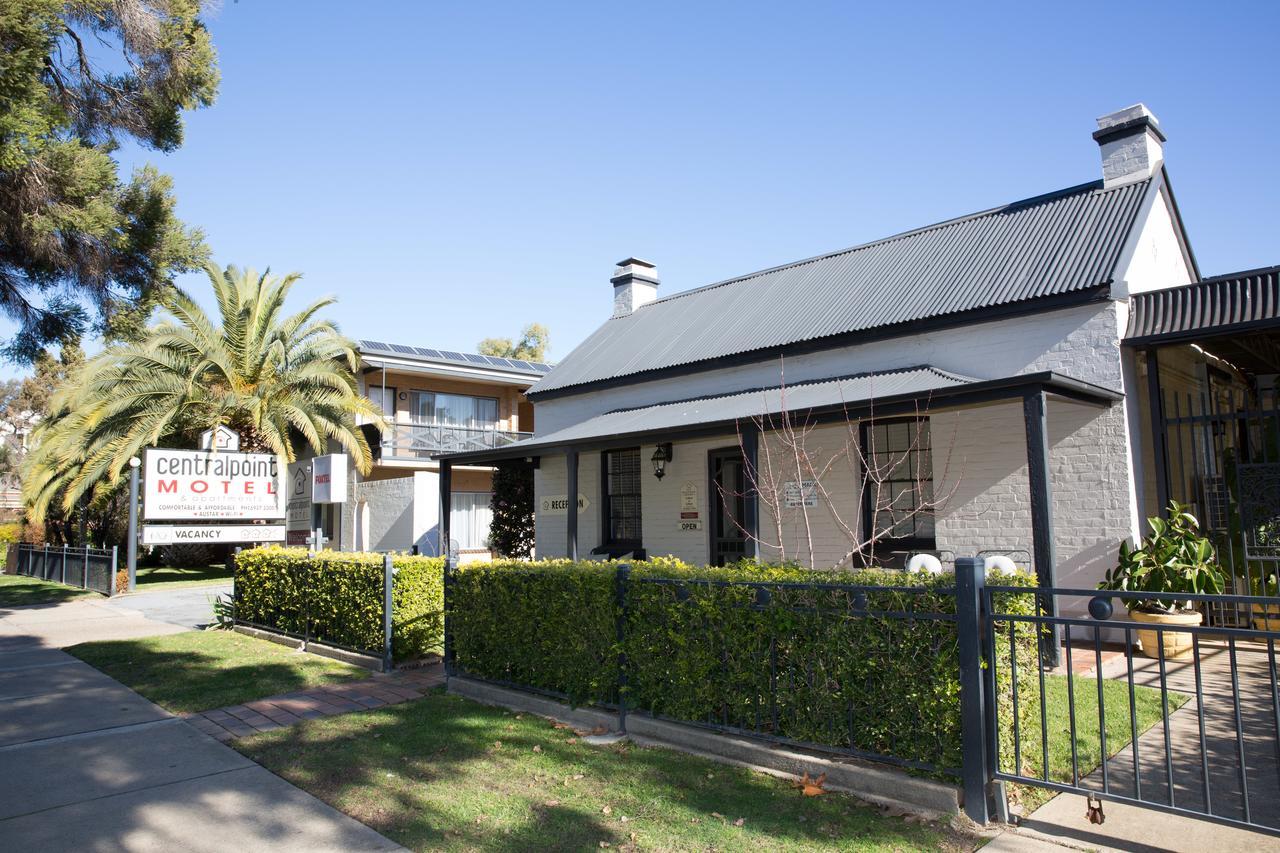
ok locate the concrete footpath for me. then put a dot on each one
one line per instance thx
(91, 765)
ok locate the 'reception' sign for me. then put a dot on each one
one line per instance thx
(191, 484)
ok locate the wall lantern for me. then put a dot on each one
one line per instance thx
(661, 456)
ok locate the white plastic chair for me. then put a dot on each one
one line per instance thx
(926, 563)
(999, 563)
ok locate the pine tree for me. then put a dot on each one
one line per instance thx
(511, 531)
(79, 247)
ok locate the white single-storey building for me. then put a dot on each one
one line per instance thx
(960, 389)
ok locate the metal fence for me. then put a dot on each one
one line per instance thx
(83, 567)
(865, 671)
(1195, 735)
(1190, 726)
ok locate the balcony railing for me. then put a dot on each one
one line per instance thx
(422, 441)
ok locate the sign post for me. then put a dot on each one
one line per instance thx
(132, 563)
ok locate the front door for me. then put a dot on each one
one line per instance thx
(727, 500)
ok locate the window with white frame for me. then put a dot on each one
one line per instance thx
(469, 518)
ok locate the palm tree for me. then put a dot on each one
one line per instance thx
(278, 380)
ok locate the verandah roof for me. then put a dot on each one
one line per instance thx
(886, 392)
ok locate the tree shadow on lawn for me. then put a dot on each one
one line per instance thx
(446, 772)
(158, 577)
(175, 673)
(22, 591)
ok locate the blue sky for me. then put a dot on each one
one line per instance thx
(454, 171)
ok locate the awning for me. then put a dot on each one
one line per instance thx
(1236, 315)
(885, 393)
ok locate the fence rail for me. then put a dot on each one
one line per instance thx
(82, 567)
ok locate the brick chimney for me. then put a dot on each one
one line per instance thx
(1132, 145)
(635, 283)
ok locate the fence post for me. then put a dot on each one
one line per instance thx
(85, 584)
(970, 579)
(64, 564)
(388, 583)
(448, 619)
(621, 578)
(235, 595)
(111, 581)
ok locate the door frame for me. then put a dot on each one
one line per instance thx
(713, 494)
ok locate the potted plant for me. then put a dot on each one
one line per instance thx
(1175, 558)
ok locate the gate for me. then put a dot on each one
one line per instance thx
(1193, 731)
(1222, 458)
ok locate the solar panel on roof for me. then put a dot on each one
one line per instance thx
(404, 349)
(429, 353)
(456, 356)
(475, 359)
(542, 368)
(373, 345)
(501, 362)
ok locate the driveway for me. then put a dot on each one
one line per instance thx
(188, 607)
(92, 766)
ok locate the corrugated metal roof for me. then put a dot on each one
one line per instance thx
(795, 399)
(1217, 303)
(514, 365)
(1060, 243)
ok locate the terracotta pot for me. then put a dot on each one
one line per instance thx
(1177, 644)
(1266, 617)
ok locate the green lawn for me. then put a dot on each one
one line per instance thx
(17, 590)
(163, 577)
(1115, 701)
(199, 670)
(446, 773)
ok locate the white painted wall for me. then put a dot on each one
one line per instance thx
(549, 530)
(1156, 259)
(391, 513)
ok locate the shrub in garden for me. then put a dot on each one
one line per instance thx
(338, 598)
(190, 555)
(744, 646)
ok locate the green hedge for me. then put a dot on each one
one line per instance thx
(706, 651)
(337, 598)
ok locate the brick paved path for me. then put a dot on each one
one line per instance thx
(278, 711)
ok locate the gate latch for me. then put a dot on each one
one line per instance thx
(1093, 809)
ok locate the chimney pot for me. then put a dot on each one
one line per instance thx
(635, 283)
(1132, 145)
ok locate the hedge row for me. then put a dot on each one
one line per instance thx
(338, 598)
(806, 663)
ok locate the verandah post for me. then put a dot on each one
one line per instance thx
(620, 580)
(975, 774)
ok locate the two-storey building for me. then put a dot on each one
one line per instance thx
(434, 401)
